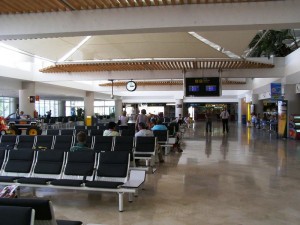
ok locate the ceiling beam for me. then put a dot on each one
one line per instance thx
(202, 17)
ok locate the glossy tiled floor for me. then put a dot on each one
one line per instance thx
(246, 177)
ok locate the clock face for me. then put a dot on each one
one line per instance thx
(131, 86)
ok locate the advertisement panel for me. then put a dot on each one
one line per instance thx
(282, 119)
(276, 91)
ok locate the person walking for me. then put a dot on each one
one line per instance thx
(141, 118)
(225, 116)
(208, 117)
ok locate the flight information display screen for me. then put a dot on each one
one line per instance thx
(202, 87)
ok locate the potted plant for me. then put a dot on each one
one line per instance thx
(269, 43)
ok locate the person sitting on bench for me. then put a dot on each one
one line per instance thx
(81, 144)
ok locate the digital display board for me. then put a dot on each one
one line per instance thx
(194, 88)
(202, 87)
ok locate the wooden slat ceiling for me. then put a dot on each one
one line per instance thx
(163, 83)
(41, 6)
(157, 65)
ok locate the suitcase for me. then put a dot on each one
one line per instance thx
(9, 191)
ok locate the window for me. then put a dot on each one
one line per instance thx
(6, 104)
(72, 106)
(104, 107)
(43, 106)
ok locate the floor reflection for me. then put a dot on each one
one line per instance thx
(247, 176)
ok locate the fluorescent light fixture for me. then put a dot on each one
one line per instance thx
(214, 45)
(170, 104)
(73, 50)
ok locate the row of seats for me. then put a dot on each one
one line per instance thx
(64, 143)
(142, 148)
(63, 168)
(89, 132)
(80, 170)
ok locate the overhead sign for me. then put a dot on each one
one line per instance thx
(276, 91)
(156, 104)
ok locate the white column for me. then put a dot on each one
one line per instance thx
(13, 105)
(255, 99)
(258, 104)
(89, 104)
(178, 107)
(28, 89)
(118, 108)
(62, 108)
(240, 110)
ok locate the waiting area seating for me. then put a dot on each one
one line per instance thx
(12, 215)
(79, 170)
(23, 211)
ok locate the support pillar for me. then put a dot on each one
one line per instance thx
(28, 89)
(118, 109)
(89, 104)
(62, 108)
(178, 107)
(239, 112)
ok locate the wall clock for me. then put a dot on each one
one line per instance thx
(131, 86)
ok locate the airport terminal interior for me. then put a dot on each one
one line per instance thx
(68, 63)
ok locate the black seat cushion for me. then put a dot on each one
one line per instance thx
(67, 222)
(67, 182)
(103, 184)
(8, 178)
(41, 206)
(12, 215)
(34, 180)
(143, 155)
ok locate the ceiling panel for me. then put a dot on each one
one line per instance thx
(50, 48)
(160, 45)
(234, 41)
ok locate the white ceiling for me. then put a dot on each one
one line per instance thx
(232, 34)
(131, 46)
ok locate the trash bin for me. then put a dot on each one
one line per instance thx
(88, 121)
(244, 121)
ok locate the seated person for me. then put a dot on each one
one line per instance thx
(81, 144)
(23, 116)
(144, 132)
(158, 126)
(111, 130)
(177, 135)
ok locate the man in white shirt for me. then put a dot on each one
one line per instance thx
(144, 132)
(111, 130)
(225, 116)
